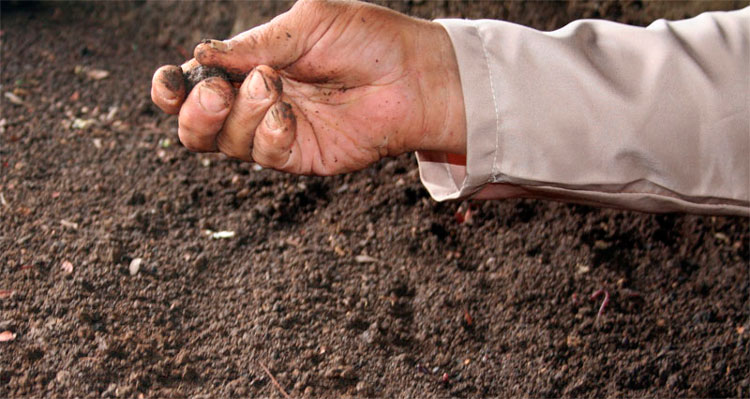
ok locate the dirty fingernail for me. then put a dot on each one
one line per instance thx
(170, 83)
(217, 45)
(273, 120)
(257, 88)
(210, 100)
(172, 78)
(165, 93)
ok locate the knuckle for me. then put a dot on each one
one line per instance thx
(253, 38)
(165, 106)
(312, 4)
(277, 139)
(191, 140)
(231, 151)
(204, 55)
(189, 144)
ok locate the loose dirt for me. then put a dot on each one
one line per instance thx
(356, 285)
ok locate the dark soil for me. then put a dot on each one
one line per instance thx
(93, 174)
(201, 73)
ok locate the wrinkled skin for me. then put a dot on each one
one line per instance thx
(331, 87)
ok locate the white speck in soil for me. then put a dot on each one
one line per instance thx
(135, 266)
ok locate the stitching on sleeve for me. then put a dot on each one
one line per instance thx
(452, 178)
(497, 114)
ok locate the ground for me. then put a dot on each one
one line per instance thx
(357, 285)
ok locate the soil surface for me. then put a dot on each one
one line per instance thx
(356, 285)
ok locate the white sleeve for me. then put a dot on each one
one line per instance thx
(652, 119)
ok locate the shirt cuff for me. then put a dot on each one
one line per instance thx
(443, 174)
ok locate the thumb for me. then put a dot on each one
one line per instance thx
(277, 44)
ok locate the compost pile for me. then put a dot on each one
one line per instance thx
(130, 267)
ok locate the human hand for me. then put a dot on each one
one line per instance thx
(332, 87)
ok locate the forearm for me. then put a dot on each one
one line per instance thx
(652, 119)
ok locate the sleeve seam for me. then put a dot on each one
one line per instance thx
(494, 101)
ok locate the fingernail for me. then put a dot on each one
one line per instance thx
(273, 120)
(210, 100)
(165, 93)
(172, 78)
(257, 88)
(217, 45)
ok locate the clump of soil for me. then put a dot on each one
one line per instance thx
(200, 73)
(357, 285)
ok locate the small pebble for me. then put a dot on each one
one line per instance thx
(14, 99)
(348, 373)
(363, 389)
(62, 377)
(110, 391)
(370, 335)
(364, 259)
(67, 267)
(135, 266)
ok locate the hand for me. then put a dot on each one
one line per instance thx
(332, 87)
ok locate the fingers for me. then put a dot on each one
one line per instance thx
(253, 126)
(260, 90)
(257, 46)
(189, 65)
(273, 146)
(168, 88)
(203, 113)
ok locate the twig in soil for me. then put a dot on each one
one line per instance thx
(273, 380)
(605, 302)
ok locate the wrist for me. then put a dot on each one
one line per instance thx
(444, 129)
